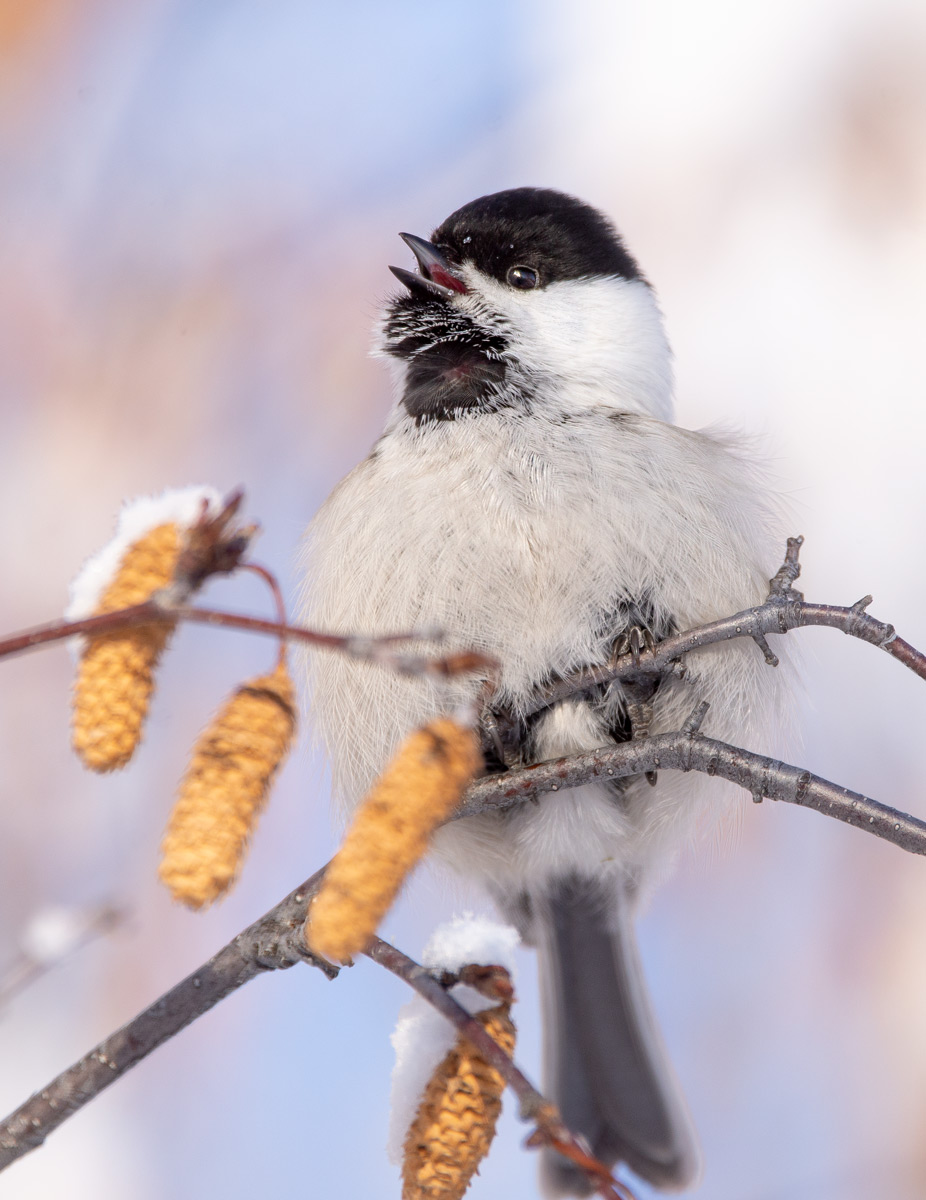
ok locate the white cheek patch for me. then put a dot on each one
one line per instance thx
(599, 341)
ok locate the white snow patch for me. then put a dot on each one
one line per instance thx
(53, 932)
(471, 939)
(422, 1036)
(182, 506)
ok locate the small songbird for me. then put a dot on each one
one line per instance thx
(531, 498)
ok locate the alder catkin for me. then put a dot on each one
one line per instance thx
(455, 1122)
(115, 677)
(417, 791)
(225, 788)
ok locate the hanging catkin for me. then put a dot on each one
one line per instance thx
(115, 677)
(225, 788)
(455, 1122)
(417, 791)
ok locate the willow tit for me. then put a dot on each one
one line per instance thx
(531, 498)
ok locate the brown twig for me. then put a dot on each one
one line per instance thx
(273, 584)
(372, 649)
(784, 610)
(534, 1106)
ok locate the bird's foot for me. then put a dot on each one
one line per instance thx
(634, 640)
(640, 716)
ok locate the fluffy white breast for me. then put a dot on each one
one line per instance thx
(519, 535)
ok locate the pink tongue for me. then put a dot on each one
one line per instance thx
(446, 279)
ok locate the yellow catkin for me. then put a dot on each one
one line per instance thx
(418, 790)
(455, 1122)
(115, 678)
(225, 788)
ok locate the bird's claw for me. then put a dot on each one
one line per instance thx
(501, 735)
(634, 640)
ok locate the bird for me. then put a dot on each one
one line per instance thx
(531, 497)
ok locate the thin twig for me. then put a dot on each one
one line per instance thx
(372, 649)
(28, 966)
(784, 610)
(534, 1106)
(775, 616)
(274, 585)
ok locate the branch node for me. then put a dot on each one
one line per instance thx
(862, 625)
(329, 970)
(271, 950)
(694, 722)
(782, 582)
(771, 659)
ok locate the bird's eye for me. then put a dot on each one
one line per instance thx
(522, 277)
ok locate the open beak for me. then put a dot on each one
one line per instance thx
(437, 278)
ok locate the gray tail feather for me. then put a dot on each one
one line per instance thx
(604, 1063)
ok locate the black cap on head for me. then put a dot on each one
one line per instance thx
(556, 235)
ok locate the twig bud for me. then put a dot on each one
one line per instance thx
(455, 1122)
(225, 788)
(417, 791)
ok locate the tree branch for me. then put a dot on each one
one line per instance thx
(784, 610)
(276, 940)
(154, 612)
(690, 750)
(273, 942)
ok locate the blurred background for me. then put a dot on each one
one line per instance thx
(198, 203)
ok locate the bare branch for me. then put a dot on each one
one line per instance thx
(784, 610)
(215, 545)
(276, 940)
(372, 649)
(689, 750)
(273, 942)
